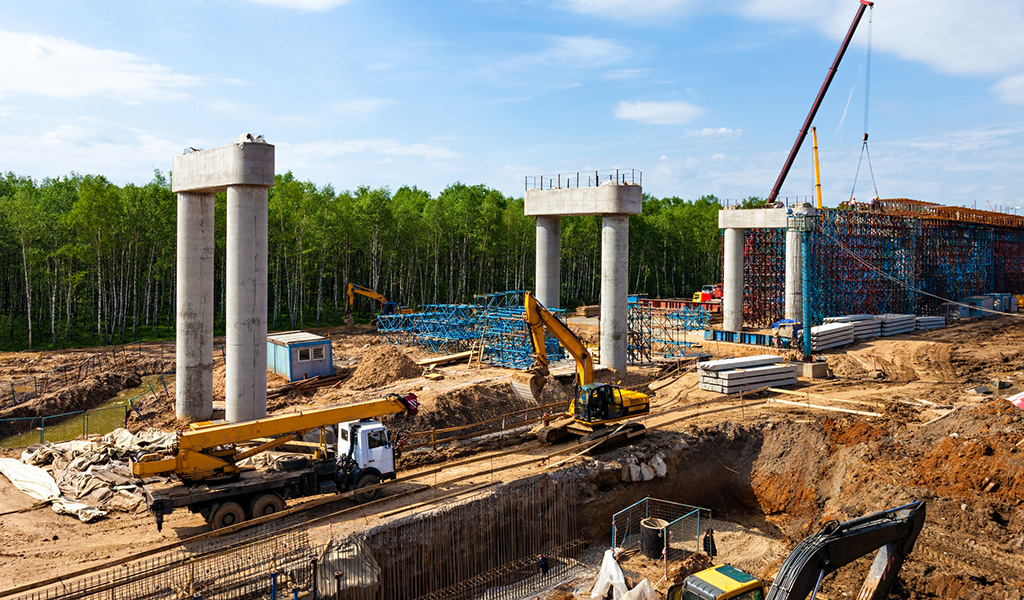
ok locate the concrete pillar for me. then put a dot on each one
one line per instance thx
(549, 260)
(194, 298)
(794, 273)
(614, 290)
(246, 282)
(732, 280)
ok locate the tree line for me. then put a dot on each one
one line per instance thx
(86, 262)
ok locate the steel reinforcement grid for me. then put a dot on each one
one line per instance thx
(876, 262)
(496, 319)
(249, 570)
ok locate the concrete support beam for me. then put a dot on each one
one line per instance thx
(194, 299)
(549, 260)
(732, 276)
(794, 273)
(246, 312)
(614, 290)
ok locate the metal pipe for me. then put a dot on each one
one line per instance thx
(805, 249)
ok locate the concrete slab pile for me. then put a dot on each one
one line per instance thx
(864, 326)
(931, 322)
(832, 335)
(897, 324)
(734, 375)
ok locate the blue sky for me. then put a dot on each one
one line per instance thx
(703, 97)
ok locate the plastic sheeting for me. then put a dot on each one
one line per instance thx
(642, 591)
(609, 577)
(38, 484)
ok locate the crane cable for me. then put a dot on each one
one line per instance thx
(867, 95)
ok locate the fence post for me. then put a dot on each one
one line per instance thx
(85, 423)
(42, 430)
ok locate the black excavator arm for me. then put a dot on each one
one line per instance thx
(893, 532)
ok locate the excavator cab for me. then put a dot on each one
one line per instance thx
(599, 403)
(723, 582)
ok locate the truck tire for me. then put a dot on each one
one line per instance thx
(292, 463)
(264, 505)
(227, 514)
(365, 480)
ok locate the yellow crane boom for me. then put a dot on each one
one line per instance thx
(209, 450)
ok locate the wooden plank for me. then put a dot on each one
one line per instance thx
(443, 360)
(827, 408)
(829, 398)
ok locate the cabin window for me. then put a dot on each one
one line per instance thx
(303, 354)
(376, 439)
(318, 353)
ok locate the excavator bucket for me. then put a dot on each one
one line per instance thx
(528, 386)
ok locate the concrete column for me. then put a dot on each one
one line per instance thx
(614, 290)
(194, 298)
(794, 270)
(549, 260)
(246, 283)
(732, 280)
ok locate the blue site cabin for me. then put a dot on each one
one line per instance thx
(298, 355)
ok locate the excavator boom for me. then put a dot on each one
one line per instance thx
(892, 532)
(528, 386)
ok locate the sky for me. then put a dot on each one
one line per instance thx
(701, 97)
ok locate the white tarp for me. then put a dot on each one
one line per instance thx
(38, 484)
(642, 591)
(610, 576)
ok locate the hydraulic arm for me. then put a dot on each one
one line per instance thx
(893, 532)
(864, 4)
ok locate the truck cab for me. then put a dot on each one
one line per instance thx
(722, 582)
(366, 456)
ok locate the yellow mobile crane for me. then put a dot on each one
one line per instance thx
(594, 404)
(211, 482)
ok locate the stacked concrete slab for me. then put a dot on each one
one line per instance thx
(831, 335)
(931, 322)
(864, 326)
(733, 375)
(897, 324)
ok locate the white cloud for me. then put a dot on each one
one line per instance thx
(950, 36)
(89, 146)
(626, 74)
(629, 9)
(363, 105)
(381, 146)
(1010, 89)
(304, 5)
(61, 68)
(715, 133)
(672, 112)
(570, 52)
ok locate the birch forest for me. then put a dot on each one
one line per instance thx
(86, 262)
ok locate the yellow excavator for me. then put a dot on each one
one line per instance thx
(594, 404)
(210, 481)
(386, 308)
(891, 532)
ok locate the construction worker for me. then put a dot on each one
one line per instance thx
(709, 543)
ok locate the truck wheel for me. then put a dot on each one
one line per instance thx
(264, 505)
(365, 480)
(227, 514)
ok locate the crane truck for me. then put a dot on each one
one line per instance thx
(594, 404)
(892, 532)
(206, 477)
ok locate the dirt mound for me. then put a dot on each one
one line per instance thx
(381, 366)
(466, 405)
